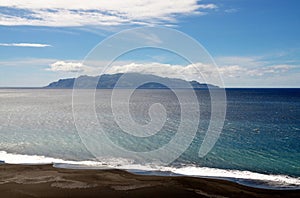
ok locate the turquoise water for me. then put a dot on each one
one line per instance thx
(259, 144)
(261, 132)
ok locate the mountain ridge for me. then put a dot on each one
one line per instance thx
(109, 81)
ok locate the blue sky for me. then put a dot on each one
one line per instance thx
(254, 43)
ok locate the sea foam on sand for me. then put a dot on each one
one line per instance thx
(265, 180)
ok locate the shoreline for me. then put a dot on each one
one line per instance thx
(48, 181)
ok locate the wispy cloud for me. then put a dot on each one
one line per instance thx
(233, 67)
(275, 69)
(231, 10)
(24, 45)
(26, 62)
(97, 12)
(243, 61)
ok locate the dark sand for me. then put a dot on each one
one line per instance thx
(46, 181)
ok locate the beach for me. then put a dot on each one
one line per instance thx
(47, 181)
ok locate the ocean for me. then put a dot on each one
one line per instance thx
(259, 144)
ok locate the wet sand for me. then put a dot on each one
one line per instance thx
(47, 181)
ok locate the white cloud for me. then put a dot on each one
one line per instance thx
(232, 71)
(62, 66)
(24, 45)
(98, 12)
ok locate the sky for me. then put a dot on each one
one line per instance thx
(253, 43)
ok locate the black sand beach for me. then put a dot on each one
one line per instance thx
(47, 181)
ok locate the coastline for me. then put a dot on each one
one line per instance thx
(48, 181)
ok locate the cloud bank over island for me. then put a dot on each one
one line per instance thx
(187, 72)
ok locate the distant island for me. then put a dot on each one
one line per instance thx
(108, 81)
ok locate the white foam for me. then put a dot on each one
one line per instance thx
(277, 180)
(272, 180)
(11, 158)
(119, 163)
